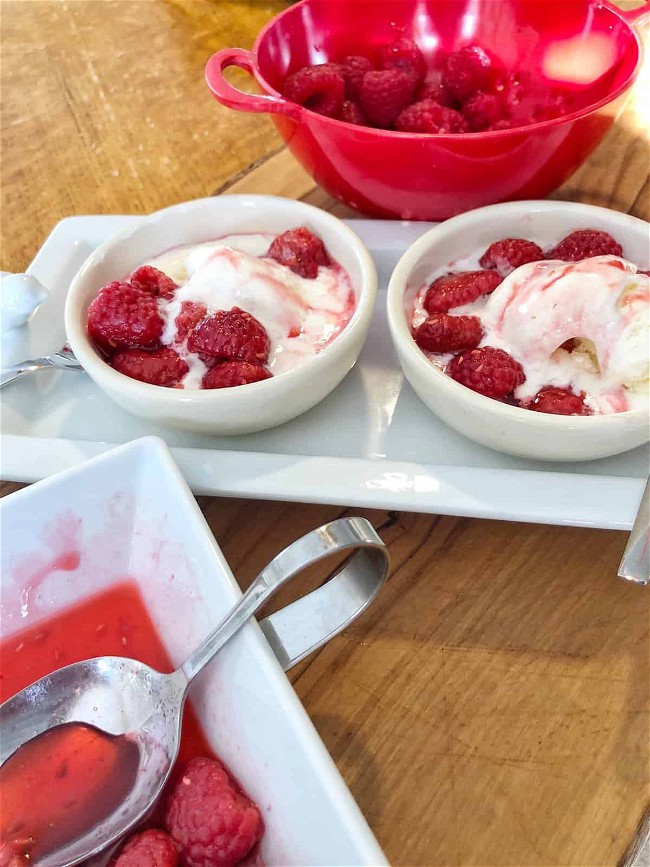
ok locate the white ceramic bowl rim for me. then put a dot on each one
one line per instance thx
(88, 355)
(397, 315)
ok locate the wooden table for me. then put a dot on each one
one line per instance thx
(492, 706)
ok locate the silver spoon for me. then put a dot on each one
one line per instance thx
(63, 360)
(122, 696)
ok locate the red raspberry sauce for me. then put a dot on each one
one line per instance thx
(59, 785)
(51, 774)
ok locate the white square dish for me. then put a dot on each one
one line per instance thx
(129, 514)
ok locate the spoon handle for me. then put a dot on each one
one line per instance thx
(344, 534)
(57, 361)
(635, 565)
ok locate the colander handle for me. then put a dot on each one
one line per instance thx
(239, 100)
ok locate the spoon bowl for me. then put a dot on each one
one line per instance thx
(120, 697)
(123, 697)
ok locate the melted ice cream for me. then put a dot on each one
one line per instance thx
(301, 316)
(602, 301)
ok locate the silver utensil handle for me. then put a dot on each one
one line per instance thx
(10, 374)
(303, 626)
(313, 619)
(635, 565)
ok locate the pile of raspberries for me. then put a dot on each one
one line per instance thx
(126, 326)
(470, 91)
(207, 822)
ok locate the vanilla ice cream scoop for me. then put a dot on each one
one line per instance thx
(602, 301)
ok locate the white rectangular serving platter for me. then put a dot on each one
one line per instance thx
(371, 443)
(129, 515)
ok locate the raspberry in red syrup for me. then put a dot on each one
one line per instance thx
(318, 88)
(466, 71)
(510, 253)
(150, 279)
(558, 401)
(384, 94)
(353, 68)
(162, 367)
(191, 313)
(211, 821)
(489, 371)
(482, 110)
(233, 373)
(444, 333)
(123, 316)
(151, 848)
(585, 243)
(300, 250)
(404, 55)
(430, 117)
(230, 334)
(454, 290)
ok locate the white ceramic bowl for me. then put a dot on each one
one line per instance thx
(502, 427)
(248, 408)
(130, 513)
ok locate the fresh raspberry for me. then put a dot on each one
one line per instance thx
(230, 334)
(444, 333)
(124, 317)
(189, 317)
(454, 290)
(300, 250)
(489, 371)
(506, 123)
(151, 280)
(404, 55)
(430, 117)
(430, 89)
(384, 94)
(482, 110)
(434, 89)
(232, 373)
(506, 255)
(353, 68)
(212, 822)
(162, 367)
(583, 244)
(510, 87)
(558, 401)
(554, 105)
(466, 71)
(149, 849)
(318, 88)
(351, 113)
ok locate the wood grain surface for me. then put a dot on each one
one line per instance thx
(492, 707)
